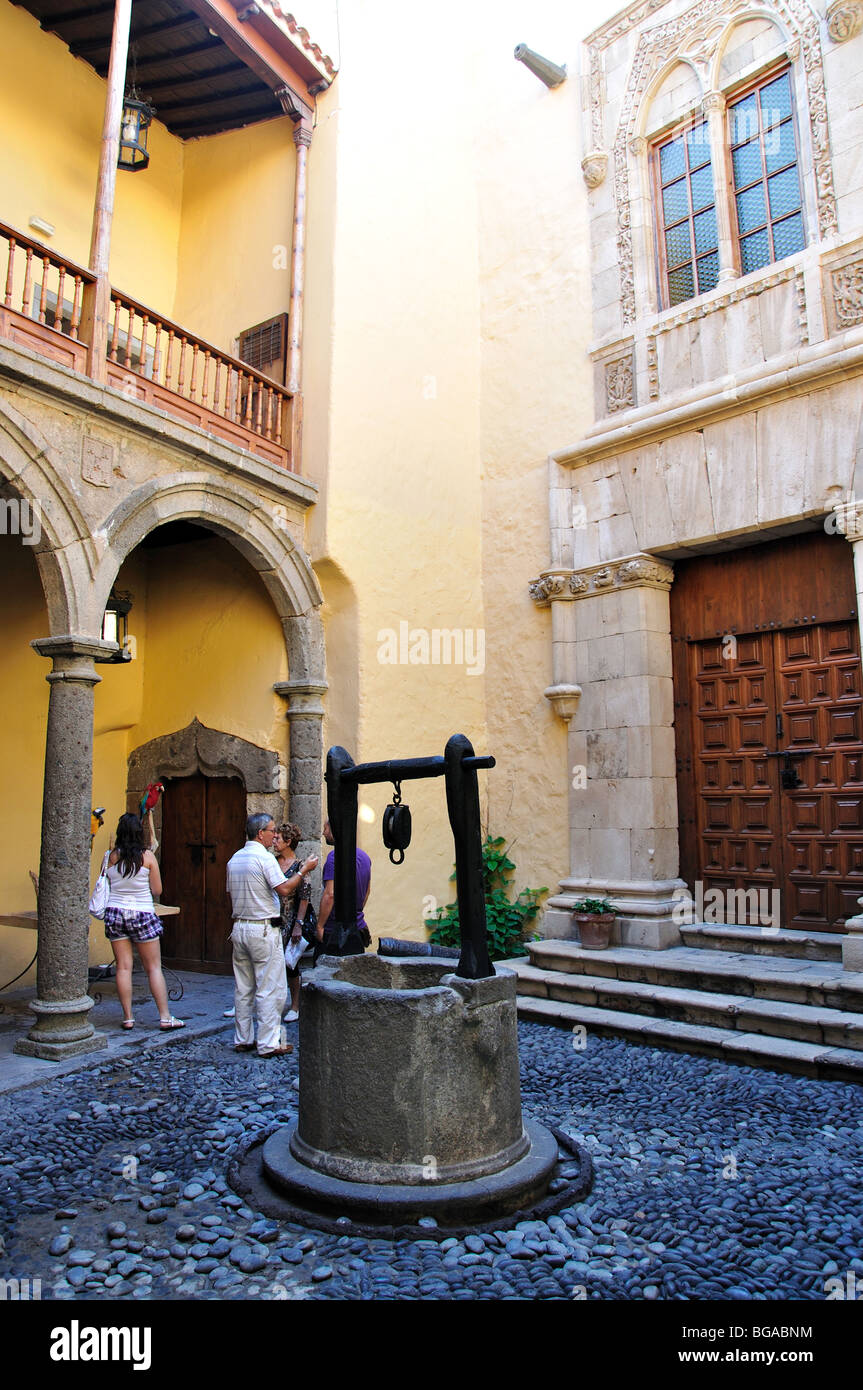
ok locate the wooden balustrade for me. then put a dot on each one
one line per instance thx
(149, 357)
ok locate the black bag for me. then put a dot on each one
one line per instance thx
(340, 941)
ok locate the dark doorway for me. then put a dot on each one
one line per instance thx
(203, 824)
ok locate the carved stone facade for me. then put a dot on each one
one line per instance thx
(742, 421)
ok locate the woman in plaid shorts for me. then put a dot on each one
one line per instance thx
(133, 878)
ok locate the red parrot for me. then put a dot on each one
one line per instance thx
(151, 797)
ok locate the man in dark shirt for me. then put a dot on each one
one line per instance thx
(364, 883)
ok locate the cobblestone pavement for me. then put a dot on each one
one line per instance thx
(712, 1181)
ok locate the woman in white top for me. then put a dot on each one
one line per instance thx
(133, 878)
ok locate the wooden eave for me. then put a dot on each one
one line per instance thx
(202, 68)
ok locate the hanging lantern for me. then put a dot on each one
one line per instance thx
(115, 628)
(137, 116)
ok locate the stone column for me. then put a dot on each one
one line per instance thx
(62, 1028)
(613, 631)
(713, 106)
(305, 767)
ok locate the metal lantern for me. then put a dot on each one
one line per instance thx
(115, 627)
(137, 116)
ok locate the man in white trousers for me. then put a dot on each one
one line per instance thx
(255, 883)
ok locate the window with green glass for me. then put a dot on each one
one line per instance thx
(766, 181)
(688, 253)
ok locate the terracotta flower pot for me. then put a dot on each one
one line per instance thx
(594, 929)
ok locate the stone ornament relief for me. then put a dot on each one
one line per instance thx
(695, 33)
(694, 313)
(633, 572)
(847, 286)
(594, 167)
(97, 462)
(844, 20)
(619, 384)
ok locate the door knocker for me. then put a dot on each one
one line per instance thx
(397, 827)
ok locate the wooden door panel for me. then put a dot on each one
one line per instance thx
(203, 824)
(793, 682)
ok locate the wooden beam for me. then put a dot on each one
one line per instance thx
(97, 298)
(255, 51)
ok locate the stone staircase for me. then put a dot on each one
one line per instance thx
(778, 999)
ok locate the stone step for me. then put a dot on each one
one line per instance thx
(751, 1049)
(819, 983)
(718, 936)
(737, 1013)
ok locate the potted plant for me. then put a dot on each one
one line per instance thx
(595, 917)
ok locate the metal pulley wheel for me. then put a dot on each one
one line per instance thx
(397, 827)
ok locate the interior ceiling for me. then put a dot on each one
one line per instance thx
(194, 81)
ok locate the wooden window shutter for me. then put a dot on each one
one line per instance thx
(265, 347)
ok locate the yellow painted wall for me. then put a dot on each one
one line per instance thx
(208, 645)
(25, 711)
(235, 237)
(51, 111)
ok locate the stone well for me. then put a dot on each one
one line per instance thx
(409, 1096)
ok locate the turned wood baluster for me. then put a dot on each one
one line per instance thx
(156, 357)
(169, 363)
(216, 386)
(127, 358)
(28, 282)
(58, 310)
(259, 407)
(145, 325)
(76, 307)
(43, 296)
(206, 382)
(247, 414)
(193, 378)
(181, 369)
(115, 331)
(268, 422)
(237, 412)
(10, 271)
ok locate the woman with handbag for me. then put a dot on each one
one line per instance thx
(298, 915)
(133, 877)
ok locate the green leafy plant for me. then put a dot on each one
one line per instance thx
(507, 918)
(596, 906)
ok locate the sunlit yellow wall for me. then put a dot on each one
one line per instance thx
(25, 710)
(444, 360)
(392, 424)
(235, 239)
(51, 111)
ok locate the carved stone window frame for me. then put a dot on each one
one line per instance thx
(699, 35)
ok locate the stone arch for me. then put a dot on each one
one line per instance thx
(649, 122)
(242, 518)
(212, 753)
(784, 39)
(66, 553)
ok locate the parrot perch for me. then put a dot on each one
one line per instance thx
(149, 801)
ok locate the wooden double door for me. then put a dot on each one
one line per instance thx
(768, 729)
(203, 824)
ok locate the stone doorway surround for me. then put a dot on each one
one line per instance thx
(212, 753)
(611, 630)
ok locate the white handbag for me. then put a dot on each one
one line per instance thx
(101, 893)
(293, 951)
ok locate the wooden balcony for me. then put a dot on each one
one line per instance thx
(149, 358)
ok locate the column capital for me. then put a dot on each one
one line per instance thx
(713, 101)
(304, 697)
(564, 700)
(302, 134)
(73, 656)
(630, 572)
(847, 519)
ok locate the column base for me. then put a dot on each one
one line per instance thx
(61, 1030)
(852, 944)
(649, 913)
